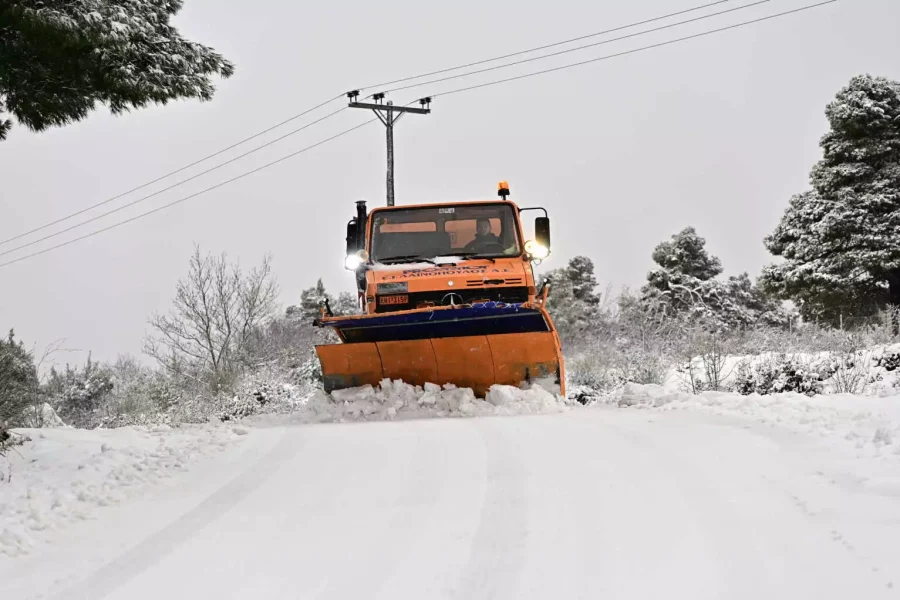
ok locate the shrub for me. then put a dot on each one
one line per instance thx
(889, 359)
(778, 374)
(18, 381)
(267, 391)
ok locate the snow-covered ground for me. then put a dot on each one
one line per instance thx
(654, 493)
(60, 476)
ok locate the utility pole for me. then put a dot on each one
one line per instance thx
(389, 114)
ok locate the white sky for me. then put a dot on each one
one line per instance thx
(716, 132)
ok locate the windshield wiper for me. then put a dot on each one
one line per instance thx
(474, 255)
(390, 260)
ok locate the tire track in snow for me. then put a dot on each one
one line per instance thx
(498, 548)
(148, 552)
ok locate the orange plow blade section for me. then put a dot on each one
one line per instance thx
(350, 365)
(412, 361)
(465, 362)
(475, 362)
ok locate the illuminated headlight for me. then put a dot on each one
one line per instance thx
(353, 261)
(536, 250)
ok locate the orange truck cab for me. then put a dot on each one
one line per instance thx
(448, 297)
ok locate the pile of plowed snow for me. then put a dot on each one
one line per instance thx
(870, 424)
(396, 400)
(60, 476)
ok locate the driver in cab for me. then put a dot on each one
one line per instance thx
(483, 237)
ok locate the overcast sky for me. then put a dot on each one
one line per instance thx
(717, 132)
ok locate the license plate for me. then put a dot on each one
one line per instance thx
(393, 300)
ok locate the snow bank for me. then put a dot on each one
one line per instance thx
(871, 424)
(395, 400)
(60, 476)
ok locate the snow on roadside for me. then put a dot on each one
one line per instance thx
(875, 369)
(61, 476)
(870, 424)
(396, 400)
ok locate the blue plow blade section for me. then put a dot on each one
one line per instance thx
(489, 318)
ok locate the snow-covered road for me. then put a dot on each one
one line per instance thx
(593, 503)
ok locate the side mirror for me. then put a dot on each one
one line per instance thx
(352, 246)
(542, 231)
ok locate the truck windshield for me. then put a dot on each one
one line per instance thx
(476, 230)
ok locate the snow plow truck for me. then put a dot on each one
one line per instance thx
(448, 295)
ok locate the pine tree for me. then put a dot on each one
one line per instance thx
(840, 239)
(312, 300)
(685, 282)
(572, 303)
(686, 254)
(580, 275)
(60, 58)
(685, 268)
(346, 304)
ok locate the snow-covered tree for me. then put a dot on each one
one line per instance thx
(840, 239)
(60, 58)
(347, 304)
(573, 303)
(18, 380)
(684, 271)
(580, 275)
(685, 282)
(312, 301)
(743, 303)
(686, 254)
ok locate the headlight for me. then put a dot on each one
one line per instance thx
(536, 250)
(353, 261)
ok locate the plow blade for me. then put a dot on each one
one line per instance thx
(470, 347)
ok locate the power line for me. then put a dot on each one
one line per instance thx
(169, 174)
(456, 91)
(545, 47)
(333, 99)
(174, 185)
(579, 48)
(186, 198)
(634, 51)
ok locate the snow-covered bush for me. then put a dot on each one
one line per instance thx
(888, 359)
(635, 365)
(78, 394)
(850, 373)
(777, 374)
(139, 396)
(269, 390)
(310, 372)
(589, 371)
(18, 381)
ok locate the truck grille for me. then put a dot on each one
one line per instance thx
(394, 302)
